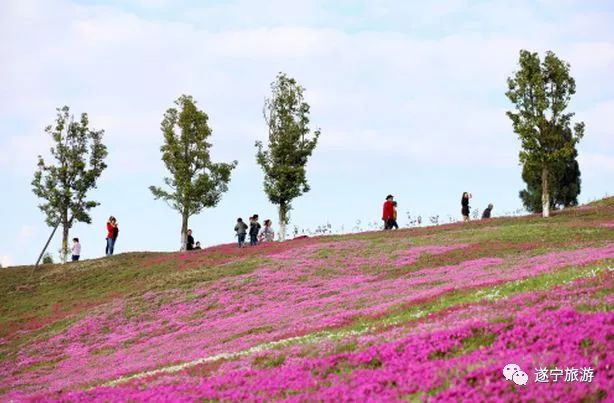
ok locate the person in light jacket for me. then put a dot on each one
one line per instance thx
(267, 234)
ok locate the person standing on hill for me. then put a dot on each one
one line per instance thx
(112, 232)
(465, 206)
(76, 249)
(241, 231)
(190, 241)
(487, 211)
(115, 234)
(254, 230)
(388, 213)
(394, 224)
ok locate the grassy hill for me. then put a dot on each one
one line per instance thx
(419, 314)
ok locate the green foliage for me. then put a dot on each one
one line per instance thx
(290, 144)
(195, 182)
(79, 161)
(541, 92)
(47, 259)
(564, 179)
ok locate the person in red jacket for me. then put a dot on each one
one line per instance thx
(112, 231)
(388, 214)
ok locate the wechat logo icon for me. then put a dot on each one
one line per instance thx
(512, 372)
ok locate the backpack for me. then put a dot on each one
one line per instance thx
(115, 232)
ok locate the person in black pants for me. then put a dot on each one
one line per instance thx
(465, 206)
(254, 230)
(190, 242)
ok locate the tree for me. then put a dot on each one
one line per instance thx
(290, 145)
(564, 180)
(79, 161)
(541, 92)
(195, 182)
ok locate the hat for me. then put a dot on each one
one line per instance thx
(389, 197)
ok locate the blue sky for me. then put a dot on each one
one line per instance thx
(409, 96)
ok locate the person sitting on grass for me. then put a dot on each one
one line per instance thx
(487, 211)
(267, 234)
(76, 250)
(197, 247)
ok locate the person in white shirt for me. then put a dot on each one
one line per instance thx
(76, 249)
(267, 234)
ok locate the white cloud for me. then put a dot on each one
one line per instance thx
(384, 90)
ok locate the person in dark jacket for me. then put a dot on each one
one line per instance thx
(487, 211)
(190, 241)
(465, 206)
(254, 230)
(388, 213)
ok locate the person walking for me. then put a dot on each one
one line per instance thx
(112, 232)
(465, 205)
(241, 231)
(254, 230)
(190, 241)
(76, 250)
(267, 234)
(388, 213)
(487, 212)
(394, 224)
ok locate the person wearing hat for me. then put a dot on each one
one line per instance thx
(388, 214)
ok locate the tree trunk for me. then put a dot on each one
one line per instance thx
(282, 222)
(545, 193)
(46, 246)
(65, 231)
(184, 231)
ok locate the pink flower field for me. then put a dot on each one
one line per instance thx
(427, 314)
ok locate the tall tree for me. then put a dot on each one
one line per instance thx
(564, 182)
(290, 144)
(541, 92)
(195, 182)
(79, 161)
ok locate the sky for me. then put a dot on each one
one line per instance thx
(409, 96)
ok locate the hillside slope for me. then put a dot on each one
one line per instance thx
(418, 314)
